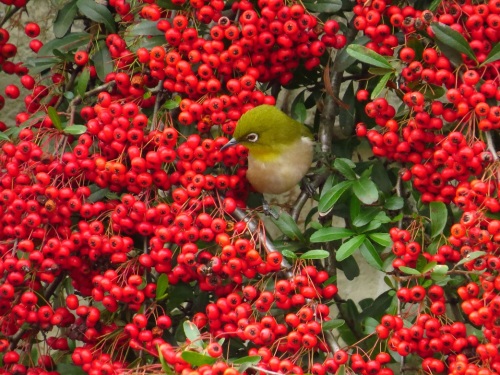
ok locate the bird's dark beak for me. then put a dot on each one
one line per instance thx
(232, 142)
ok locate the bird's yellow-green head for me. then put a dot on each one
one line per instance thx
(266, 131)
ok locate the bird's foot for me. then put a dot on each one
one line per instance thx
(307, 187)
(268, 211)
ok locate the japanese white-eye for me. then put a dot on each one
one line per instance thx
(280, 149)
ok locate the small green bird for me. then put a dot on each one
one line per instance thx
(280, 149)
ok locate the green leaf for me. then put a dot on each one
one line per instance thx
(383, 239)
(379, 71)
(161, 287)
(70, 369)
(330, 234)
(366, 190)
(453, 55)
(83, 81)
(471, 256)
(452, 38)
(197, 359)
(54, 116)
(341, 370)
(345, 167)
(97, 195)
(429, 266)
(323, 6)
(315, 254)
(347, 115)
(371, 255)
(299, 112)
(409, 271)
(494, 55)
(328, 200)
(172, 103)
(332, 324)
(144, 28)
(4, 137)
(75, 129)
(252, 359)
(348, 248)
(288, 254)
(381, 85)
(191, 332)
(365, 216)
(368, 56)
(167, 4)
(166, 369)
(343, 60)
(68, 43)
(394, 203)
(438, 217)
(102, 61)
(288, 227)
(97, 12)
(64, 19)
(434, 5)
(439, 272)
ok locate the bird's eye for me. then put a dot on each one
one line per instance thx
(252, 137)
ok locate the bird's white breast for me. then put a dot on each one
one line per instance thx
(281, 174)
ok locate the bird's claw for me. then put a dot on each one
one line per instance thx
(266, 208)
(307, 187)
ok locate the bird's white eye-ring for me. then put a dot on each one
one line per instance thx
(252, 137)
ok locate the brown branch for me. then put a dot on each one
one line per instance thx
(49, 292)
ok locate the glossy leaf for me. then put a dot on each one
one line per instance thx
(438, 217)
(75, 129)
(288, 227)
(315, 254)
(331, 197)
(383, 239)
(494, 55)
(330, 234)
(365, 216)
(453, 39)
(144, 28)
(370, 254)
(471, 256)
(343, 60)
(64, 19)
(54, 117)
(345, 167)
(161, 287)
(347, 116)
(409, 271)
(191, 332)
(68, 43)
(332, 324)
(69, 369)
(394, 203)
(323, 6)
(103, 61)
(83, 81)
(368, 56)
(197, 359)
(348, 248)
(289, 254)
(366, 190)
(252, 359)
(381, 85)
(97, 12)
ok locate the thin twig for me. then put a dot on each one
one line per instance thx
(14, 339)
(78, 99)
